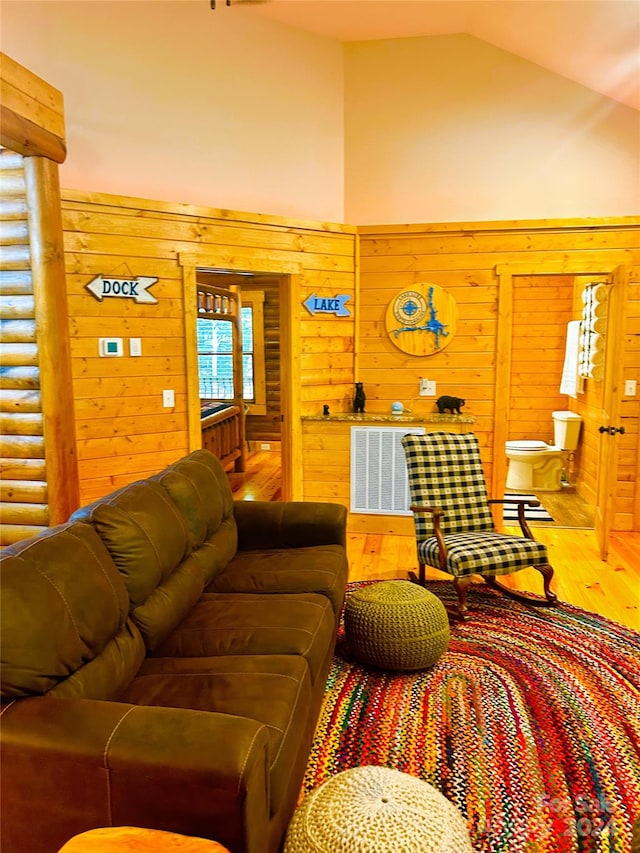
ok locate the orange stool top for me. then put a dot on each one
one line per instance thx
(118, 839)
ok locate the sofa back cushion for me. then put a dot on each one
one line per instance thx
(147, 538)
(199, 488)
(64, 617)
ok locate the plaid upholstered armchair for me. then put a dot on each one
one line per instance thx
(454, 526)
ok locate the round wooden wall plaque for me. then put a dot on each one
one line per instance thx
(422, 319)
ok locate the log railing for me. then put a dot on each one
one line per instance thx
(222, 435)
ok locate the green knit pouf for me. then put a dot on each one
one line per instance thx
(376, 810)
(396, 625)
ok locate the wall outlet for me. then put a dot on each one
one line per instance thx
(169, 399)
(427, 388)
(630, 388)
(265, 447)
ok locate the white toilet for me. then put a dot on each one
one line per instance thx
(535, 466)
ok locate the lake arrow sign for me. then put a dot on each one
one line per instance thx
(328, 305)
(123, 288)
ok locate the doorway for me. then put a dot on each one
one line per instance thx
(601, 415)
(539, 338)
(257, 388)
(286, 281)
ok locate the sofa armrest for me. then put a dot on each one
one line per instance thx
(289, 524)
(74, 764)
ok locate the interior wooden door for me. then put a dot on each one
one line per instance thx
(609, 426)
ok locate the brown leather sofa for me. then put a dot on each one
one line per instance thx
(164, 656)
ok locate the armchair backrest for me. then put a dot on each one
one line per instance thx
(445, 471)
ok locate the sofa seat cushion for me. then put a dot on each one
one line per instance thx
(320, 569)
(228, 623)
(274, 690)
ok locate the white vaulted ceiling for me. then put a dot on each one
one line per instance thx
(593, 42)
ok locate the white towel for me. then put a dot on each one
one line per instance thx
(572, 384)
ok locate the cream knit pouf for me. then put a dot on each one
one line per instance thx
(376, 810)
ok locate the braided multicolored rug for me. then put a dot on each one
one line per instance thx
(529, 724)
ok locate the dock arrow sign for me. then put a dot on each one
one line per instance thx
(328, 305)
(123, 288)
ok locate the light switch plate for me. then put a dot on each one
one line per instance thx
(630, 388)
(169, 399)
(135, 346)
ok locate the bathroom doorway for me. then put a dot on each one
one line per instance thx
(535, 305)
(543, 306)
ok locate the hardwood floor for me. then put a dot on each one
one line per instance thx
(610, 588)
(567, 508)
(261, 481)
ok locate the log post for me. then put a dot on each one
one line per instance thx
(52, 333)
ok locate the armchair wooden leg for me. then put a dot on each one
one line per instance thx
(547, 574)
(550, 598)
(419, 578)
(461, 585)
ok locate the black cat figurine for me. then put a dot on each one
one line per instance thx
(359, 399)
(452, 403)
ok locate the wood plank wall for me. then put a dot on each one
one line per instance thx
(123, 431)
(462, 258)
(542, 307)
(327, 455)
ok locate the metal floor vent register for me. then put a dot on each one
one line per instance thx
(379, 483)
